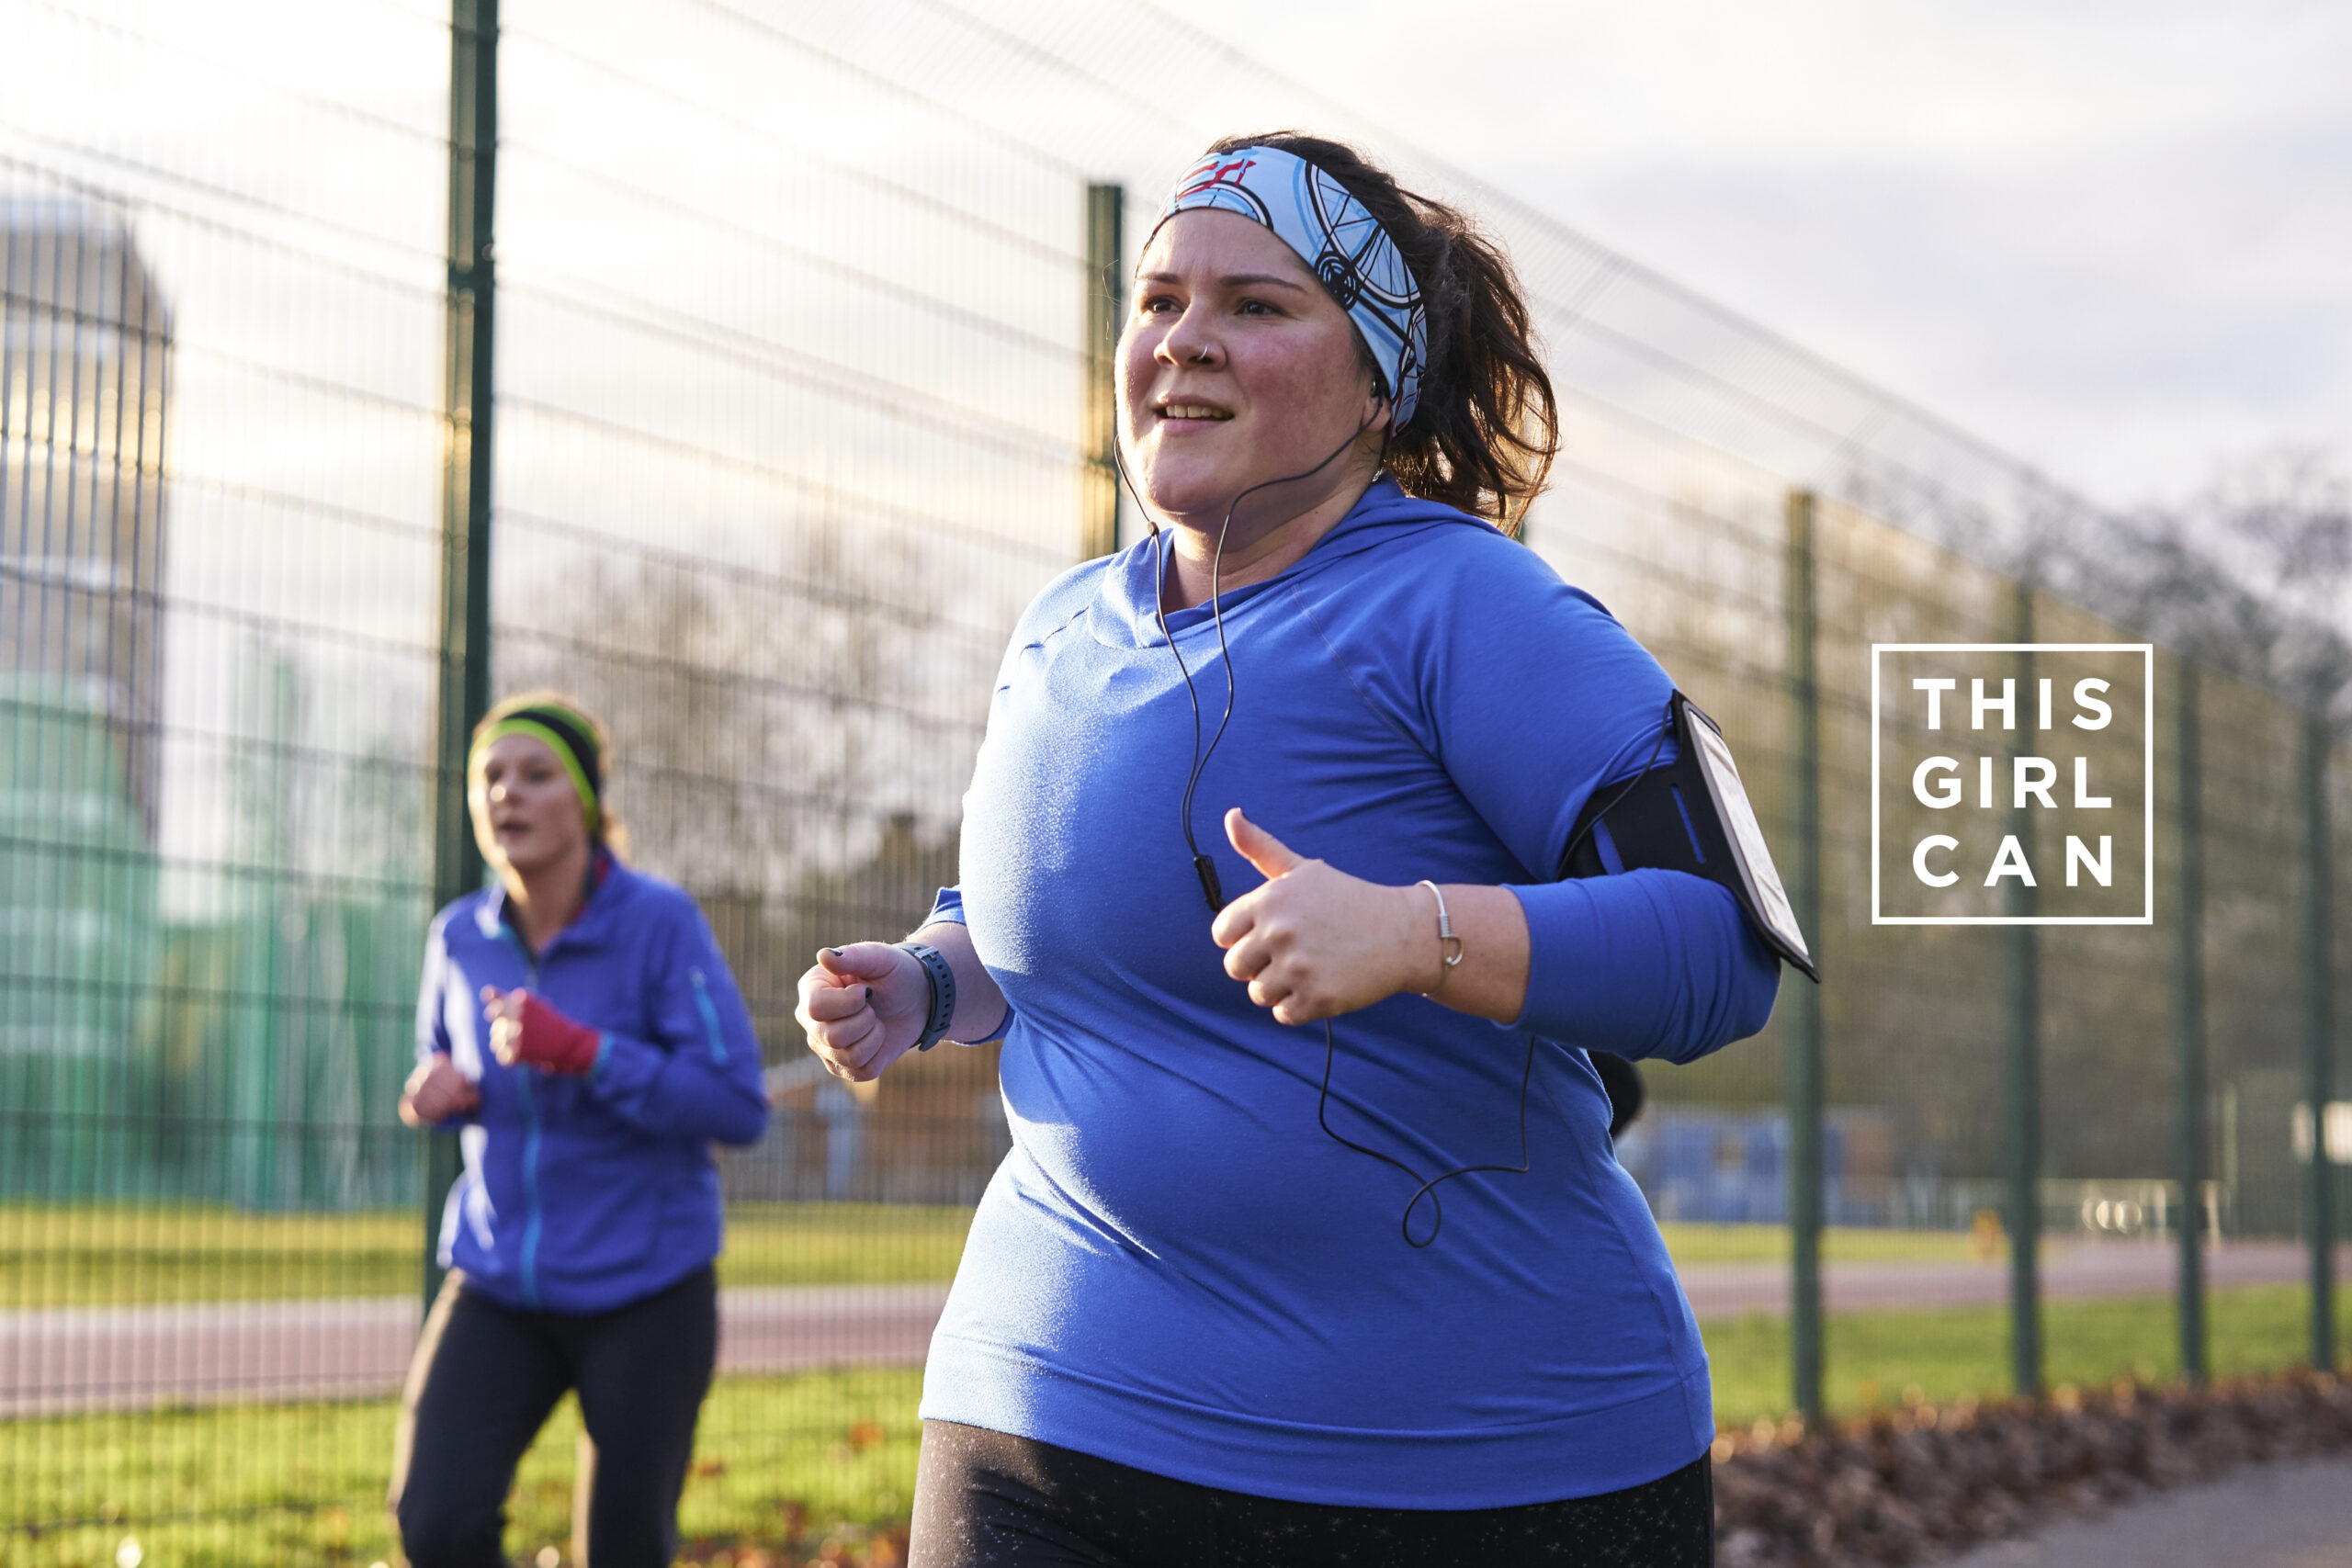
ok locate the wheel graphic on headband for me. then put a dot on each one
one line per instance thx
(1409, 358)
(1354, 237)
(1340, 277)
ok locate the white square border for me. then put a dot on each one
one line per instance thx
(2147, 653)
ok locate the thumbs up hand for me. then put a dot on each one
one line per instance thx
(1314, 941)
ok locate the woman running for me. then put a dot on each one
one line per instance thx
(1210, 1310)
(581, 1033)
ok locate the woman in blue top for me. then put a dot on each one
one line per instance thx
(1187, 1328)
(580, 1031)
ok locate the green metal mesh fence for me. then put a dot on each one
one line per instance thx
(796, 408)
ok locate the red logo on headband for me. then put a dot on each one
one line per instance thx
(1217, 174)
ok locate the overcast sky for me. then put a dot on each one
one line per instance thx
(2115, 239)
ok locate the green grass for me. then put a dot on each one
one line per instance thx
(1770, 1243)
(1878, 1357)
(124, 1254)
(805, 1244)
(780, 1459)
(787, 1459)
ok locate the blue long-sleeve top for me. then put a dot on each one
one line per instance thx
(1175, 1268)
(584, 1193)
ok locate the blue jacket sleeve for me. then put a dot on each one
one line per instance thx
(433, 1007)
(432, 1026)
(1533, 697)
(699, 1076)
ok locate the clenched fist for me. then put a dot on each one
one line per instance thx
(437, 1091)
(864, 1005)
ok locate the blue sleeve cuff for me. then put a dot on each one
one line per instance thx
(625, 1066)
(948, 910)
(1593, 975)
(1647, 964)
(1002, 1029)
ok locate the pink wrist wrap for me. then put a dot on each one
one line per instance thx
(553, 1043)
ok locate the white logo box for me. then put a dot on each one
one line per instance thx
(2147, 653)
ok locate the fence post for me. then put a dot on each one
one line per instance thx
(2318, 1034)
(1105, 299)
(2022, 1135)
(1800, 1070)
(2189, 965)
(464, 694)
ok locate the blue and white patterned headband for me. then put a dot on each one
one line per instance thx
(1341, 243)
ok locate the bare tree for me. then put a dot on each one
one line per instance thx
(2250, 576)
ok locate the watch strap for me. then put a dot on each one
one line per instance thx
(942, 977)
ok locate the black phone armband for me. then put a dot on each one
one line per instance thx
(1690, 815)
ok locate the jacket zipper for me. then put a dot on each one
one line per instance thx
(529, 1267)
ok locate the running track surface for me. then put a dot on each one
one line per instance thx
(57, 1361)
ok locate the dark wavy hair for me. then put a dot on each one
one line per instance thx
(1486, 426)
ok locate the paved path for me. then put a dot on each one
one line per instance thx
(126, 1358)
(2073, 1271)
(2283, 1515)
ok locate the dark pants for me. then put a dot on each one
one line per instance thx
(987, 1500)
(484, 1381)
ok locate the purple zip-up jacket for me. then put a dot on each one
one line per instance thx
(583, 1194)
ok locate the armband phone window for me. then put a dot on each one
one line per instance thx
(1691, 815)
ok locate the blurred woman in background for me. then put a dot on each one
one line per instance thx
(579, 1030)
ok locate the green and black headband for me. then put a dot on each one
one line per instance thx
(569, 734)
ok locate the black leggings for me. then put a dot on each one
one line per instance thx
(484, 1381)
(987, 1500)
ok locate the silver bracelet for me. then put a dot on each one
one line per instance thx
(942, 978)
(1445, 938)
